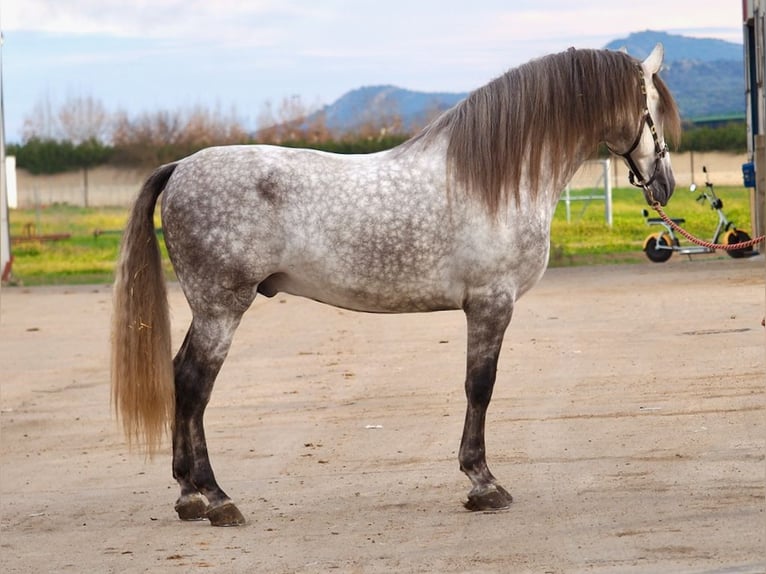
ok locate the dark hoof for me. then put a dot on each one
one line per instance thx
(490, 497)
(225, 515)
(192, 507)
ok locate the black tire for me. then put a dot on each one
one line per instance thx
(654, 254)
(738, 236)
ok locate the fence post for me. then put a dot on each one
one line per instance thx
(85, 187)
(568, 203)
(607, 193)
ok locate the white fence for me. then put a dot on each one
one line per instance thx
(103, 186)
(596, 171)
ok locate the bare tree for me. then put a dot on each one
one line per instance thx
(203, 126)
(77, 120)
(161, 136)
(293, 121)
(82, 119)
(267, 124)
(41, 123)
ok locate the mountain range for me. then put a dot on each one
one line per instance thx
(706, 77)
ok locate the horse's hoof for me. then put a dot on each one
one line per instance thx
(490, 497)
(192, 507)
(225, 515)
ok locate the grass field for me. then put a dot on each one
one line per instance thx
(89, 257)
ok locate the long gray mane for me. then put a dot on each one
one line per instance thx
(538, 117)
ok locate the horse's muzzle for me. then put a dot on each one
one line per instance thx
(662, 187)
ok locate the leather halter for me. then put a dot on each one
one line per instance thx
(660, 149)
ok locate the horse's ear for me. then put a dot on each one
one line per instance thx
(653, 61)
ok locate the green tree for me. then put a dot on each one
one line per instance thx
(731, 137)
(44, 156)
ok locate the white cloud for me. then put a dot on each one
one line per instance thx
(598, 19)
(150, 18)
(339, 21)
(248, 51)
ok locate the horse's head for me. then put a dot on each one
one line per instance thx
(646, 152)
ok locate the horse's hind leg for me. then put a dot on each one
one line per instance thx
(196, 366)
(487, 318)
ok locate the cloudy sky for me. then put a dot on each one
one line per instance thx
(145, 55)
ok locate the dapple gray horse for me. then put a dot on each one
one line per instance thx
(457, 217)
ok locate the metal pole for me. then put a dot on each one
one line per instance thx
(759, 193)
(754, 31)
(5, 231)
(691, 164)
(759, 141)
(607, 193)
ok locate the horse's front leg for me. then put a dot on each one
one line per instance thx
(488, 318)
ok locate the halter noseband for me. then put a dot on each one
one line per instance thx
(660, 149)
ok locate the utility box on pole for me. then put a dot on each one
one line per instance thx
(754, 171)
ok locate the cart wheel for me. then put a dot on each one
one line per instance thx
(657, 249)
(738, 236)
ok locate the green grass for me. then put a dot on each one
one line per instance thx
(586, 240)
(84, 257)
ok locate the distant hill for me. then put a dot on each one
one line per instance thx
(705, 75)
(370, 104)
(640, 44)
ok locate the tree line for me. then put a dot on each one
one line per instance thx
(80, 135)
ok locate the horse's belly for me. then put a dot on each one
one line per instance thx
(364, 293)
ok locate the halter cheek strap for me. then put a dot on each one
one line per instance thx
(660, 149)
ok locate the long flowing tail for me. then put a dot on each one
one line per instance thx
(142, 370)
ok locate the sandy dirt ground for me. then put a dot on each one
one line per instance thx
(629, 422)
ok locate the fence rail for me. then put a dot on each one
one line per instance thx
(601, 181)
